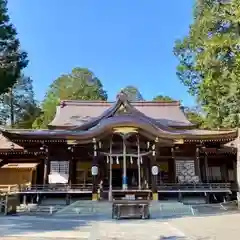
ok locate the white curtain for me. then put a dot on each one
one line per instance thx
(59, 172)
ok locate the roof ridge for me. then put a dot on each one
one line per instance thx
(108, 103)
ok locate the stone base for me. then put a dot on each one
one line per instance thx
(155, 196)
(238, 199)
(94, 197)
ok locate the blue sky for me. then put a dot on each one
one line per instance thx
(123, 42)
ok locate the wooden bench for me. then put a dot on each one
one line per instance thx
(130, 209)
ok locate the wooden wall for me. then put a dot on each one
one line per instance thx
(11, 176)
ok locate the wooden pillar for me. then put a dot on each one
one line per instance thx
(197, 164)
(154, 167)
(224, 172)
(94, 172)
(71, 169)
(94, 180)
(139, 164)
(206, 167)
(124, 176)
(46, 166)
(146, 172)
(174, 166)
(110, 169)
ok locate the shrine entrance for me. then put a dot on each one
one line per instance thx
(126, 163)
(132, 178)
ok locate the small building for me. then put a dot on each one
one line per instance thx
(120, 147)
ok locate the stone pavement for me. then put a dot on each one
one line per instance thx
(220, 227)
(33, 228)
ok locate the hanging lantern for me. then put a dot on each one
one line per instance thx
(141, 160)
(107, 159)
(148, 144)
(100, 144)
(117, 160)
(131, 160)
(94, 170)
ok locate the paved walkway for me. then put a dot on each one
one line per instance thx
(36, 228)
(189, 228)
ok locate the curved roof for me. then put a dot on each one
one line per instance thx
(122, 113)
(82, 114)
(105, 126)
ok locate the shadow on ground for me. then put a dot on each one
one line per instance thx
(23, 226)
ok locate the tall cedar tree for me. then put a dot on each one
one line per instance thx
(133, 93)
(12, 59)
(80, 84)
(209, 60)
(19, 105)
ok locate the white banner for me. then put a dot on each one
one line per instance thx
(58, 178)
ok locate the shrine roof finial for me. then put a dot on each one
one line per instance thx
(122, 95)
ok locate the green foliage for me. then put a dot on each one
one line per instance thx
(209, 60)
(161, 98)
(194, 116)
(18, 105)
(133, 93)
(80, 84)
(12, 59)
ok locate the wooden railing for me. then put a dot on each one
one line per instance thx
(6, 189)
(178, 186)
(56, 188)
(194, 186)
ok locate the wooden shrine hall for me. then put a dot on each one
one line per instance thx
(104, 148)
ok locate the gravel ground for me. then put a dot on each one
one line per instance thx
(220, 227)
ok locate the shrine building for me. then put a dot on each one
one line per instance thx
(119, 148)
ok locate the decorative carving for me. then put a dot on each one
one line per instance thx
(179, 141)
(125, 130)
(122, 110)
(71, 142)
(185, 171)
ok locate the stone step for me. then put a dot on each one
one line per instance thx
(33, 209)
(194, 200)
(86, 208)
(168, 209)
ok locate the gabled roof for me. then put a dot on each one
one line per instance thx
(105, 127)
(121, 114)
(6, 144)
(73, 113)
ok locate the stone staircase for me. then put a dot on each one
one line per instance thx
(170, 209)
(48, 206)
(103, 209)
(87, 208)
(34, 209)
